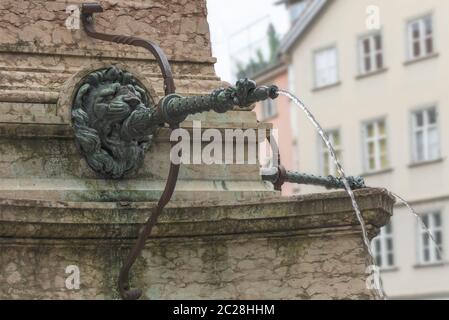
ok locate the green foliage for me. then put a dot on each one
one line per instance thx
(255, 66)
(273, 42)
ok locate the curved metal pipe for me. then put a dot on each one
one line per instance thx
(123, 282)
(87, 11)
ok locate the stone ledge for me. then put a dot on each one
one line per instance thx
(327, 212)
(58, 127)
(126, 53)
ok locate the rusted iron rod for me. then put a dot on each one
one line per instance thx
(87, 11)
(278, 175)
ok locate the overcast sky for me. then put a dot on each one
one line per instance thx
(230, 35)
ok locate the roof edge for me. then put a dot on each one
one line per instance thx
(270, 72)
(301, 25)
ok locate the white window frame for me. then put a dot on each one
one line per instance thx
(269, 109)
(382, 238)
(425, 131)
(423, 36)
(376, 140)
(433, 255)
(322, 149)
(316, 71)
(372, 54)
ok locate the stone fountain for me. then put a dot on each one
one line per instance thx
(69, 216)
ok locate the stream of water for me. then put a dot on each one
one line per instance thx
(421, 222)
(340, 170)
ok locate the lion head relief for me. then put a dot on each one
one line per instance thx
(107, 110)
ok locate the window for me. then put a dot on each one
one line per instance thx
(371, 57)
(382, 247)
(327, 163)
(425, 136)
(428, 250)
(268, 108)
(420, 37)
(375, 146)
(326, 67)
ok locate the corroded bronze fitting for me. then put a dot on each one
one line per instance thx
(176, 108)
(330, 182)
(114, 119)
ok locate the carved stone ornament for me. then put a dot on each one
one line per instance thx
(109, 115)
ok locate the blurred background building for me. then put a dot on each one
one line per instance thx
(374, 73)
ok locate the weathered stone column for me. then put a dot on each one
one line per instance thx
(306, 247)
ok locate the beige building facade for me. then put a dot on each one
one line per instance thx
(375, 73)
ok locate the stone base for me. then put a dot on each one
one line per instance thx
(305, 247)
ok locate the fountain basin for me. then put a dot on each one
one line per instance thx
(303, 247)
